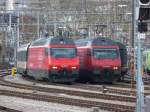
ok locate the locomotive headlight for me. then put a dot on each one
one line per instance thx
(74, 67)
(115, 68)
(54, 67)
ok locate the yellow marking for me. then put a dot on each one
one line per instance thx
(13, 72)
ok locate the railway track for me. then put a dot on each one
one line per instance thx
(87, 99)
(113, 89)
(128, 85)
(71, 91)
(6, 109)
(116, 92)
(146, 79)
(82, 102)
(117, 88)
(110, 89)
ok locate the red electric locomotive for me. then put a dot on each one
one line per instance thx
(54, 58)
(99, 59)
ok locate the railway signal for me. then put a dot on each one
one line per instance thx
(142, 27)
(144, 15)
(145, 2)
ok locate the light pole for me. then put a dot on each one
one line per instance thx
(122, 19)
(136, 43)
(18, 31)
(38, 26)
(16, 37)
(122, 6)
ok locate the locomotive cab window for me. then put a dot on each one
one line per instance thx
(63, 52)
(105, 53)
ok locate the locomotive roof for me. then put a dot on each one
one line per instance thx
(103, 41)
(59, 39)
(83, 42)
(95, 41)
(53, 40)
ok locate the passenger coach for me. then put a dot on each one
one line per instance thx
(146, 61)
(22, 53)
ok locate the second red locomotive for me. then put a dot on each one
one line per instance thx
(99, 59)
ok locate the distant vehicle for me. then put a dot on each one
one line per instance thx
(54, 58)
(100, 59)
(146, 61)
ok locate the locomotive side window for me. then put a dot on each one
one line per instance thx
(63, 52)
(21, 56)
(47, 51)
(88, 52)
(105, 53)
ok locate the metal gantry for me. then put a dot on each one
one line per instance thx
(104, 12)
(35, 17)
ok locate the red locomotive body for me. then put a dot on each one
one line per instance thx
(99, 59)
(53, 58)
